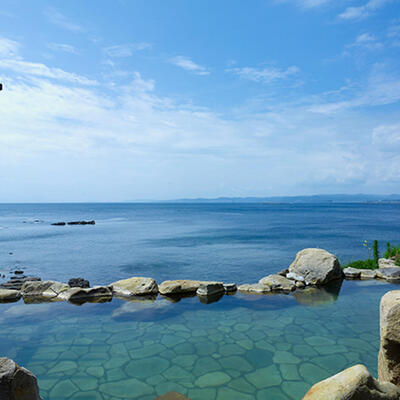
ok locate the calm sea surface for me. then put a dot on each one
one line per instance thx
(241, 347)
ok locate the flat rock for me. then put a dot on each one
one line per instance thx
(7, 295)
(278, 283)
(17, 383)
(389, 274)
(179, 286)
(317, 266)
(294, 277)
(210, 289)
(77, 295)
(136, 286)
(354, 383)
(45, 289)
(389, 353)
(254, 288)
(351, 273)
(367, 273)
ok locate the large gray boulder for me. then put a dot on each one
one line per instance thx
(45, 289)
(136, 286)
(389, 353)
(317, 266)
(17, 383)
(278, 283)
(354, 383)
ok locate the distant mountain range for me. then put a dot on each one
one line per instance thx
(318, 198)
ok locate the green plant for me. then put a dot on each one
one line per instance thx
(375, 250)
(362, 264)
(392, 251)
(366, 245)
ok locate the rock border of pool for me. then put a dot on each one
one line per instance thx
(312, 267)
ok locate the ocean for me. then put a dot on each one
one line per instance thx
(263, 347)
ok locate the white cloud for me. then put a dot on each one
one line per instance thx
(187, 64)
(364, 11)
(387, 138)
(8, 48)
(265, 75)
(67, 48)
(57, 18)
(125, 50)
(130, 142)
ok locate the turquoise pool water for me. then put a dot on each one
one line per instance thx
(241, 347)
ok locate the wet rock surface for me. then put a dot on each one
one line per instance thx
(389, 352)
(354, 383)
(17, 383)
(135, 286)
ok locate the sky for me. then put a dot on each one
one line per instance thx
(161, 99)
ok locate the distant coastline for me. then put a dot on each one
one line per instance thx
(319, 198)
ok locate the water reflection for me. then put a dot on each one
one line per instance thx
(317, 296)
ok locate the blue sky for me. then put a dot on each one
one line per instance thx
(160, 99)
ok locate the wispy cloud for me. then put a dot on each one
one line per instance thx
(265, 75)
(8, 48)
(38, 69)
(187, 64)
(59, 19)
(125, 50)
(363, 11)
(366, 41)
(307, 3)
(67, 48)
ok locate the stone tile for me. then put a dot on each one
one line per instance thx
(271, 394)
(64, 367)
(126, 389)
(204, 365)
(226, 393)
(235, 363)
(241, 385)
(202, 394)
(95, 371)
(212, 379)
(289, 372)
(62, 390)
(295, 390)
(265, 377)
(146, 367)
(147, 351)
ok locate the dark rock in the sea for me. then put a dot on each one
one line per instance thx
(82, 222)
(10, 253)
(18, 272)
(210, 298)
(59, 223)
(16, 283)
(230, 287)
(17, 383)
(79, 282)
(283, 272)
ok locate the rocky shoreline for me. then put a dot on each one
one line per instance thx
(312, 268)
